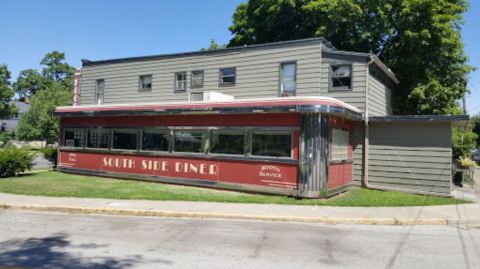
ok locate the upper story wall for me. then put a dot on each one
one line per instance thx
(257, 74)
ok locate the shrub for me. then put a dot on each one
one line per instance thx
(466, 163)
(14, 161)
(5, 138)
(51, 154)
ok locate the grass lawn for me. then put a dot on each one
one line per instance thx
(49, 183)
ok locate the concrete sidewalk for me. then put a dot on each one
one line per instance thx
(464, 214)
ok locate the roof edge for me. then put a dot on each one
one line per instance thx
(86, 62)
(456, 120)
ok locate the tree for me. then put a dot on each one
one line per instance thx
(38, 123)
(29, 82)
(6, 93)
(463, 141)
(418, 39)
(214, 45)
(475, 126)
(56, 68)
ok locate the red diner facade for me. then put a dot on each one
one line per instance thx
(297, 146)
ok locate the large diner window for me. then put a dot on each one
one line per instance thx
(339, 145)
(74, 138)
(98, 138)
(272, 144)
(227, 142)
(288, 84)
(124, 139)
(188, 141)
(155, 140)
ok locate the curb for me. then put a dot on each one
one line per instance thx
(213, 215)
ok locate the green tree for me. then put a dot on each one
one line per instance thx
(475, 126)
(463, 141)
(418, 39)
(57, 69)
(6, 93)
(214, 45)
(28, 83)
(38, 123)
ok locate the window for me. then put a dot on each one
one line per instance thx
(155, 140)
(339, 145)
(197, 79)
(98, 138)
(341, 77)
(99, 91)
(196, 96)
(288, 83)
(74, 138)
(145, 83)
(227, 76)
(125, 139)
(272, 144)
(228, 142)
(188, 141)
(180, 81)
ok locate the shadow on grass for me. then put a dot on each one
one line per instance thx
(48, 252)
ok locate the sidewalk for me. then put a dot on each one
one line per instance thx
(465, 214)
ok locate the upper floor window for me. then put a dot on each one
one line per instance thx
(145, 83)
(99, 91)
(197, 79)
(288, 84)
(227, 76)
(341, 77)
(180, 81)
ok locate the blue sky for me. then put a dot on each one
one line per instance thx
(90, 29)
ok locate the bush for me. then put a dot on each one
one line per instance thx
(5, 138)
(14, 161)
(466, 163)
(463, 141)
(51, 154)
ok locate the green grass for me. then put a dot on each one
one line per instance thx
(58, 184)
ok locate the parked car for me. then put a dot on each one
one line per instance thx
(476, 155)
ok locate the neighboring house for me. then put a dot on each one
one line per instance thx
(11, 124)
(306, 119)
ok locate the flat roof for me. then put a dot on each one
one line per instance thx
(327, 105)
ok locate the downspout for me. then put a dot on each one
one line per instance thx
(366, 142)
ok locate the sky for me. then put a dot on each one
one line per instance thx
(95, 30)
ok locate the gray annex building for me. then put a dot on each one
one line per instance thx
(300, 118)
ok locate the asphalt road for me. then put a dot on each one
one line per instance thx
(55, 240)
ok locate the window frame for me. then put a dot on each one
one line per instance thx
(280, 77)
(244, 131)
(159, 130)
(83, 139)
(175, 84)
(330, 151)
(204, 140)
(220, 77)
(330, 77)
(110, 139)
(112, 132)
(140, 83)
(192, 86)
(274, 132)
(97, 92)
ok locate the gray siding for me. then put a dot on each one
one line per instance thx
(411, 156)
(257, 74)
(379, 98)
(357, 150)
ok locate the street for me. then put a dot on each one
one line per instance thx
(56, 240)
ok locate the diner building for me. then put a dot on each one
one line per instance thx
(299, 118)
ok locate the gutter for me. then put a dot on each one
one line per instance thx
(366, 142)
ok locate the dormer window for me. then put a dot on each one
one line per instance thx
(145, 83)
(341, 77)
